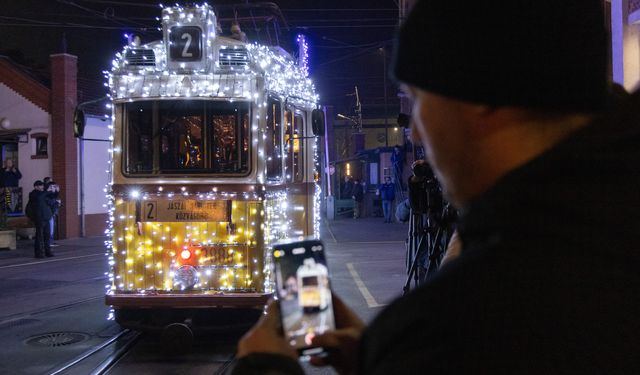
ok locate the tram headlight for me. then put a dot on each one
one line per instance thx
(185, 277)
(185, 254)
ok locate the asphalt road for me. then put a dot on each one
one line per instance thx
(52, 310)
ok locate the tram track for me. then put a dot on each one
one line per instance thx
(101, 359)
(20, 315)
(132, 352)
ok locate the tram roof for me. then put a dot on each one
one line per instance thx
(230, 70)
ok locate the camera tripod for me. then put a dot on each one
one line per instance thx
(427, 243)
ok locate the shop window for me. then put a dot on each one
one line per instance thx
(41, 145)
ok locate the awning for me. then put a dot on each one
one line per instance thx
(14, 136)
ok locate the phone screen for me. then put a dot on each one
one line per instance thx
(302, 282)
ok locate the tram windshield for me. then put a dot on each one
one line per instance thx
(186, 137)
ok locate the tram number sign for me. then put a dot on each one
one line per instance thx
(185, 43)
(184, 210)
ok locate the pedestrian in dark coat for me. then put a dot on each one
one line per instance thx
(357, 195)
(347, 188)
(10, 175)
(40, 210)
(545, 173)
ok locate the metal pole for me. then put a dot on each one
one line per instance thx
(82, 217)
(384, 80)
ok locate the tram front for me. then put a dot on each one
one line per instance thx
(193, 212)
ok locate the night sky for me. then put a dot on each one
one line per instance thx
(345, 37)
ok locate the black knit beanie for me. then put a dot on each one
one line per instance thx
(547, 54)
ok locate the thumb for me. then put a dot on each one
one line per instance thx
(271, 317)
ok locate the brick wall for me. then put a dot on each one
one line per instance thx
(64, 147)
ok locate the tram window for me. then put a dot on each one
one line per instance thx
(140, 130)
(181, 135)
(298, 149)
(178, 137)
(230, 146)
(273, 146)
(288, 143)
(294, 146)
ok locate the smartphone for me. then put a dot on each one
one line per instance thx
(304, 292)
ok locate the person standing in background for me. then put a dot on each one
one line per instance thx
(40, 209)
(10, 174)
(10, 179)
(347, 188)
(357, 195)
(387, 192)
(53, 188)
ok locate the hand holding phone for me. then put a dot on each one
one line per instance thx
(341, 346)
(266, 336)
(303, 288)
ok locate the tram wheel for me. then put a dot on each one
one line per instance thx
(177, 337)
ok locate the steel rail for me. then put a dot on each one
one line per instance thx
(96, 350)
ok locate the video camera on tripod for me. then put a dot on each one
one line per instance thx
(425, 194)
(431, 224)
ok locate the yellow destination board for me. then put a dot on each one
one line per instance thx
(184, 210)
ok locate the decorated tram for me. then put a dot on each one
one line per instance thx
(213, 160)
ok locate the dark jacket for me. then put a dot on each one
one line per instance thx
(397, 158)
(10, 178)
(44, 204)
(548, 279)
(357, 193)
(387, 192)
(347, 189)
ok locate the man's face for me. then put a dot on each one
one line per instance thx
(40, 187)
(9, 163)
(442, 125)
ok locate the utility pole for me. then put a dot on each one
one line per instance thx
(358, 111)
(384, 81)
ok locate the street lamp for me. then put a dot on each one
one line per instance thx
(357, 119)
(354, 120)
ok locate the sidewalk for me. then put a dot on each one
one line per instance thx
(73, 246)
(368, 229)
(367, 261)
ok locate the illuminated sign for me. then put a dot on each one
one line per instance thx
(185, 43)
(184, 210)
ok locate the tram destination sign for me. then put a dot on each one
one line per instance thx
(184, 210)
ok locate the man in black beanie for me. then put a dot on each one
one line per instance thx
(511, 104)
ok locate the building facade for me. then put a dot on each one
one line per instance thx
(37, 134)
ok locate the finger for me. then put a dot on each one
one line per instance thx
(271, 317)
(327, 340)
(345, 317)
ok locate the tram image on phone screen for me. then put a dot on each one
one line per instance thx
(302, 282)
